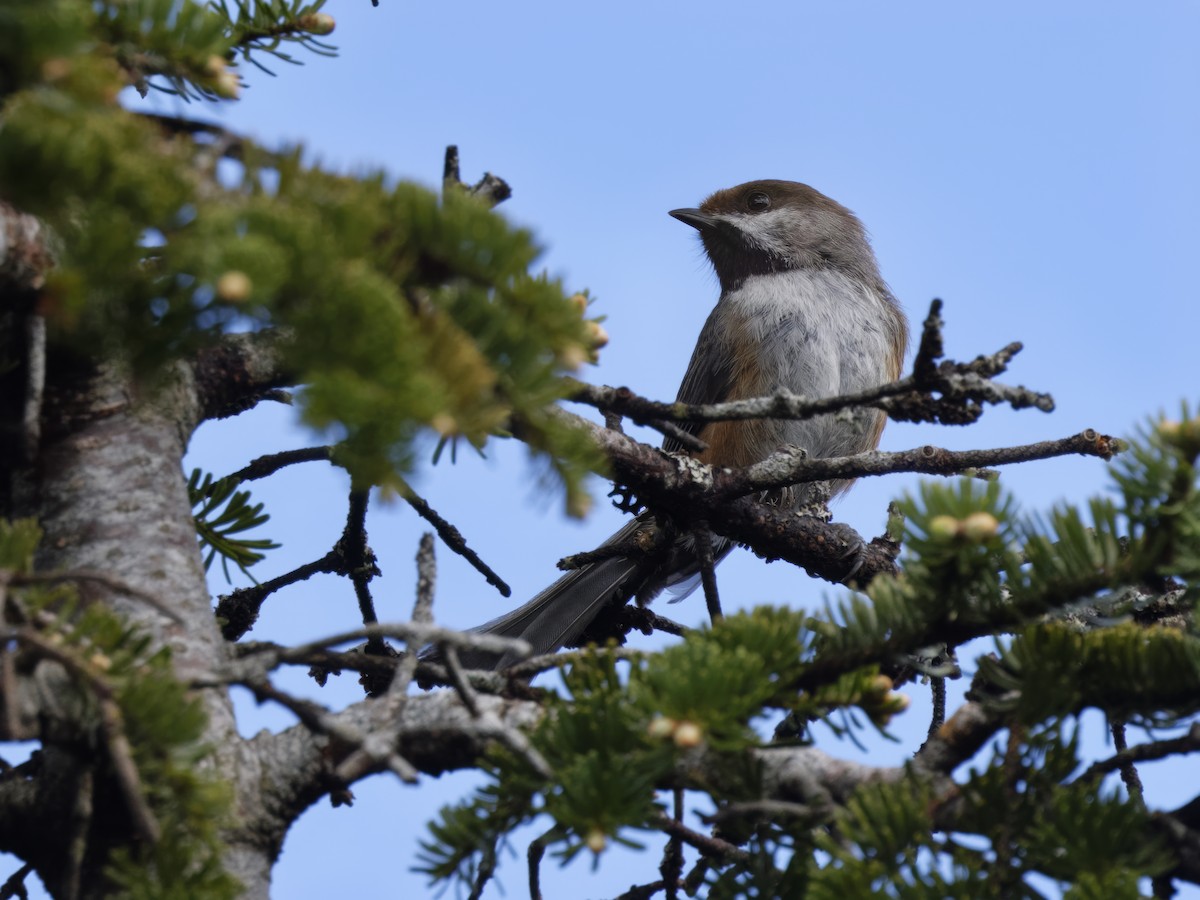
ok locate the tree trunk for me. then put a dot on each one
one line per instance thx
(108, 491)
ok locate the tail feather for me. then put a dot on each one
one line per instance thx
(562, 612)
(559, 614)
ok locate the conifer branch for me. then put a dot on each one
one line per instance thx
(491, 189)
(1188, 743)
(111, 727)
(947, 392)
(709, 846)
(453, 538)
(236, 373)
(270, 463)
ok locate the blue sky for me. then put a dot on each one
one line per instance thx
(1032, 164)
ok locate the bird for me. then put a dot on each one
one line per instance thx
(803, 308)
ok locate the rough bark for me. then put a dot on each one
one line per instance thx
(108, 491)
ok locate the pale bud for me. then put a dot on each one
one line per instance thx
(317, 23)
(661, 727)
(944, 528)
(444, 424)
(234, 287)
(980, 526)
(596, 334)
(596, 840)
(688, 734)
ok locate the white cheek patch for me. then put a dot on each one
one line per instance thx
(770, 230)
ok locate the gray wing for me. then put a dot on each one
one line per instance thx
(709, 376)
(561, 613)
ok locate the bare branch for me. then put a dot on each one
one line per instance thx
(453, 539)
(949, 392)
(491, 189)
(1188, 743)
(958, 739)
(709, 846)
(238, 371)
(271, 463)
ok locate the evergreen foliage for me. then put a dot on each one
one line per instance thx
(406, 312)
(130, 710)
(408, 317)
(221, 512)
(973, 566)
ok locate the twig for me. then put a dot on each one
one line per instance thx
(1188, 743)
(787, 466)
(240, 608)
(763, 809)
(960, 389)
(79, 824)
(487, 868)
(453, 539)
(8, 691)
(709, 846)
(459, 681)
(537, 850)
(958, 739)
(702, 538)
(372, 749)
(229, 144)
(413, 633)
(426, 580)
(1129, 773)
(359, 562)
(535, 665)
(642, 891)
(14, 885)
(671, 867)
(643, 542)
(674, 433)
(937, 687)
(271, 463)
(491, 189)
(111, 726)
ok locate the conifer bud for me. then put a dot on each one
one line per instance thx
(572, 357)
(944, 528)
(234, 287)
(444, 424)
(579, 504)
(1185, 435)
(661, 727)
(687, 735)
(223, 80)
(597, 335)
(596, 840)
(980, 526)
(316, 23)
(580, 302)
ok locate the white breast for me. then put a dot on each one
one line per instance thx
(820, 334)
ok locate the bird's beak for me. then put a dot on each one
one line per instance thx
(697, 218)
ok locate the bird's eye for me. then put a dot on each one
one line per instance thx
(758, 201)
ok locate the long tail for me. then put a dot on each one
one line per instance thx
(561, 613)
(558, 615)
